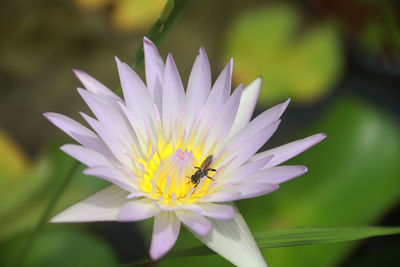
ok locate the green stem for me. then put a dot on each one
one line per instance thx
(157, 33)
(160, 29)
(45, 216)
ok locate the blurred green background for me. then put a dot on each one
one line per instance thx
(339, 61)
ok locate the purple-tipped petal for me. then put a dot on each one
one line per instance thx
(290, 150)
(95, 86)
(104, 205)
(194, 222)
(233, 240)
(165, 233)
(277, 175)
(246, 107)
(137, 210)
(199, 87)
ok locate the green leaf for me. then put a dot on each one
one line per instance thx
(352, 179)
(299, 236)
(302, 64)
(62, 248)
(28, 195)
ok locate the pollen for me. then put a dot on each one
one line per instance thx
(164, 173)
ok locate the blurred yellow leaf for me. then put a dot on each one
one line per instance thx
(13, 161)
(136, 15)
(298, 63)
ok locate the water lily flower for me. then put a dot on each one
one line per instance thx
(179, 156)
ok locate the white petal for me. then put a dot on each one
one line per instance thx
(226, 117)
(233, 240)
(111, 116)
(119, 150)
(216, 211)
(173, 99)
(139, 129)
(250, 190)
(137, 210)
(194, 222)
(218, 96)
(154, 66)
(241, 191)
(199, 87)
(165, 233)
(246, 107)
(113, 175)
(243, 171)
(104, 205)
(274, 113)
(221, 196)
(288, 151)
(136, 95)
(86, 155)
(95, 86)
(77, 131)
(276, 175)
(261, 121)
(247, 145)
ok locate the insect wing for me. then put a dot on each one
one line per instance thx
(206, 163)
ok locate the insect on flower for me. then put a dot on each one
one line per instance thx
(202, 171)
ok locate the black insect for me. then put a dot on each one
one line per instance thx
(202, 171)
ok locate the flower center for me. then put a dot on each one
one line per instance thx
(167, 172)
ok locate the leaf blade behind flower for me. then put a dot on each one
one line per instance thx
(301, 236)
(298, 236)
